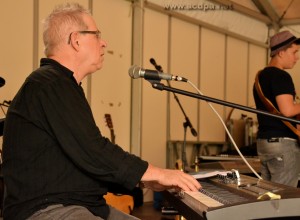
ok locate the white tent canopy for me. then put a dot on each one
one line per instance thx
(254, 19)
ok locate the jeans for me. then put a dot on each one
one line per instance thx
(74, 212)
(280, 160)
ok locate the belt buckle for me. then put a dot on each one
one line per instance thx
(273, 140)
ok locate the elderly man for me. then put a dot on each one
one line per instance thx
(56, 163)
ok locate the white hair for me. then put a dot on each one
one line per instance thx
(59, 24)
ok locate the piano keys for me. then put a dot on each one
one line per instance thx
(243, 198)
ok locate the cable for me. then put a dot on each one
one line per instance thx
(226, 129)
(283, 14)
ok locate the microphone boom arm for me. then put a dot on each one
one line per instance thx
(160, 86)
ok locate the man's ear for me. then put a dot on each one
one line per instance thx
(280, 53)
(74, 41)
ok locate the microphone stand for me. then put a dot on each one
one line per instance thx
(5, 103)
(186, 124)
(157, 85)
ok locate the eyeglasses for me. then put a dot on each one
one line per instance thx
(97, 33)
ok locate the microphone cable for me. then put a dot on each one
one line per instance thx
(227, 131)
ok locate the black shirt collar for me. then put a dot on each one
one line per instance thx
(65, 70)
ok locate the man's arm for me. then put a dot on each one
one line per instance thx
(287, 106)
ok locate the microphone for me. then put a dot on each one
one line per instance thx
(7, 102)
(137, 72)
(194, 132)
(2, 82)
(158, 67)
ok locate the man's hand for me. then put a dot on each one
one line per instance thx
(159, 179)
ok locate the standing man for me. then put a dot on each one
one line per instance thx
(56, 163)
(277, 145)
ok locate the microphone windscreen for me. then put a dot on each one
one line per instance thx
(134, 72)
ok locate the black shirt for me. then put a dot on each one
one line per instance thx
(273, 82)
(53, 152)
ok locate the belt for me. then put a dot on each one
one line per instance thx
(291, 139)
(276, 139)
